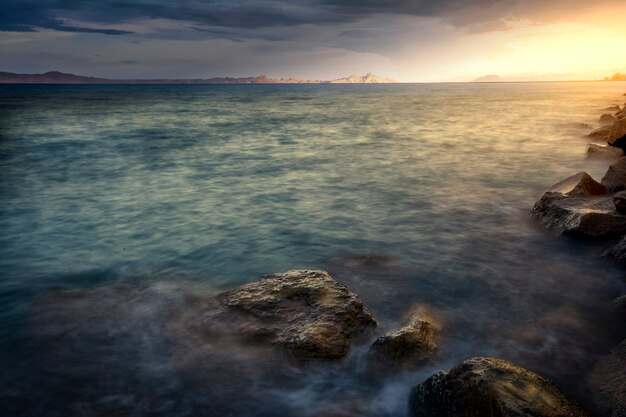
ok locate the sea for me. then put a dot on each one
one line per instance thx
(122, 205)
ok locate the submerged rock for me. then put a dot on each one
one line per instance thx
(617, 133)
(580, 206)
(615, 178)
(411, 346)
(307, 313)
(608, 382)
(595, 151)
(600, 133)
(607, 118)
(489, 387)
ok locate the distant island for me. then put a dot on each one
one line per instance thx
(493, 78)
(56, 77)
(488, 79)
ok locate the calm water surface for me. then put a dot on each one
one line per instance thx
(148, 197)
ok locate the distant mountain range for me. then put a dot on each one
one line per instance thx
(544, 77)
(56, 77)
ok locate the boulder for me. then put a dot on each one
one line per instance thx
(578, 185)
(600, 133)
(580, 216)
(615, 178)
(607, 118)
(617, 133)
(579, 206)
(608, 382)
(595, 151)
(411, 346)
(305, 312)
(489, 387)
(619, 199)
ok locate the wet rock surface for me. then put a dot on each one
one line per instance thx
(305, 312)
(580, 216)
(489, 387)
(411, 346)
(608, 382)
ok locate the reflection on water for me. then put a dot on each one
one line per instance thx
(141, 200)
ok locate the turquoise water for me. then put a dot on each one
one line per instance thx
(176, 191)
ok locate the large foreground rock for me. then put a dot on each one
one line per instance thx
(615, 178)
(411, 346)
(305, 312)
(608, 382)
(617, 133)
(488, 387)
(579, 206)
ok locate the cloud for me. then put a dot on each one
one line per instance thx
(30, 15)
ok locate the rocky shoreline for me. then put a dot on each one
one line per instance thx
(581, 207)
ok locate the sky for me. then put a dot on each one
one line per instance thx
(411, 41)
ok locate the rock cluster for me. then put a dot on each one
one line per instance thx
(612, 131)
(582, 207)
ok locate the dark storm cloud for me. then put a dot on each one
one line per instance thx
(30, 15)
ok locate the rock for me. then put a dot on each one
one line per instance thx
(578, 185)
(615, 178)
(595, 151)
(615, 107)
(411, 346)
(607, 118)
(608, 382)
(307, 313)
(619, 199)
(489, 387)
(617, 133)
(600, 133)
(580, 207)
(580, 216)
